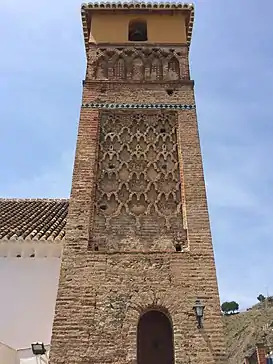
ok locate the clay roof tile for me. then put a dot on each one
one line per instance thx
(37, 219)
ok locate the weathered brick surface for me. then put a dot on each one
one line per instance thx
(102, 294)
(139, 93)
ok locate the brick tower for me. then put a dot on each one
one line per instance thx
(138, 250)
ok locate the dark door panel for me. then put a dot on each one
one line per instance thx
(155, 339)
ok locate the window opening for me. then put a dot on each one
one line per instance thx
(137, 31)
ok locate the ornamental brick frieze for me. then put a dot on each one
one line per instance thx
(138, 64)
(96, 105)
(138, 186)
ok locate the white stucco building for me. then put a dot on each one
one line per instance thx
(10, 355)
(32, 234)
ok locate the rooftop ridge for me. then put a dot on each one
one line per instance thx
(15, 199)
(138, 4)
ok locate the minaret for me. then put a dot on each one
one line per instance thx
(138, 251)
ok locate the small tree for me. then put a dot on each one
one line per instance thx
(234, 306)
(229, 307)
(225, 307)
(261, 298)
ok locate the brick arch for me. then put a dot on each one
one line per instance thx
(151, 300)
(156, 307)
(155, 342)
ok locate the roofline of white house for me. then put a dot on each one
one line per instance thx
(31, 248)
(47, 346)
(6, 345)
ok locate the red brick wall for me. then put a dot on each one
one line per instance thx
(261, 353)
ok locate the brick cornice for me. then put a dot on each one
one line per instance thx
(138, 45)
(90, 83)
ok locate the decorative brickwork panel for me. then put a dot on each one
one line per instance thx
(138, 64)
(174, 69)
(138, 201)
(156, 71)
(119, 69)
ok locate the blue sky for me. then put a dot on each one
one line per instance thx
(42, 65)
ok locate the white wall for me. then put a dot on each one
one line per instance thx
(28, 289)
(7, 355)
(25, 356)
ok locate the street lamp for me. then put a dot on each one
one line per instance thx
(199, 312)
(38, 349)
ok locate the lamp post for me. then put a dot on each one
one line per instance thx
(39, 350)
(199, 312)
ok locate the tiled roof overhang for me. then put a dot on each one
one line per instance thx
(88, 8)
(33, 219)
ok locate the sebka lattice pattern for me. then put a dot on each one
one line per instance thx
(138, 188)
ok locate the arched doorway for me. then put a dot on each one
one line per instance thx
(154, 339)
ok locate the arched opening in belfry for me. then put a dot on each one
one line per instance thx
(137, 31)
(155, 339)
